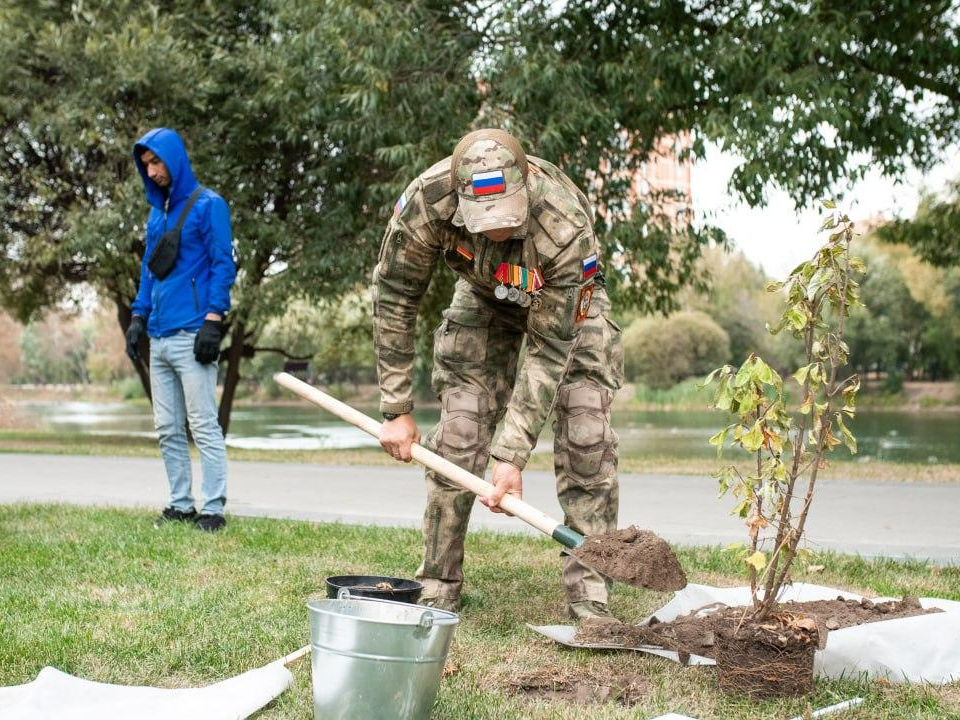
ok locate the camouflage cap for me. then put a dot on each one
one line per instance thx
(489, 171)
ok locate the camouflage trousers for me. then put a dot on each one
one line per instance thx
(476, 354)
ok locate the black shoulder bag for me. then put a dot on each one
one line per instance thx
(164, 255)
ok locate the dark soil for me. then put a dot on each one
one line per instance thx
(574, 686)
(691, 635)
(771, 659)
(636, 557)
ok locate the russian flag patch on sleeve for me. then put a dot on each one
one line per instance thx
(401, 204)
(589, 266)
(488, 183)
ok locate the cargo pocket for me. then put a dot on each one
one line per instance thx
(614, 344)
(462, 337)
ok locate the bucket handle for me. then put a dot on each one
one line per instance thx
(343, 593)
(424, 624)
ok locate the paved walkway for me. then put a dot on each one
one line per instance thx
(851, 516)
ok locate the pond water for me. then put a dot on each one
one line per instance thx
(927, 437)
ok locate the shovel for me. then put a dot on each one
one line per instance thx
(665, 566)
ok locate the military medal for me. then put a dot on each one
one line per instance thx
(518, 284)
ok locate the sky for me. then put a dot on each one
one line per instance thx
(777, 237)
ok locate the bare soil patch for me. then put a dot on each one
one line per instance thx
(692, 635)
(634, 556)
(627, 689)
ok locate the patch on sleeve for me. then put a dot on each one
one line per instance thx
(583, 305)
(400, 204)
(589, 266)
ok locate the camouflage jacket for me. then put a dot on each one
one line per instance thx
(558, 238)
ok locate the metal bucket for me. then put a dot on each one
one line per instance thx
(376, 658)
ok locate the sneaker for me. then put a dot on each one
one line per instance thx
(211, 523)
(441, 603)
(591, 610)
(171, 514)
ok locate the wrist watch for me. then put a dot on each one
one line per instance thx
(392, 416)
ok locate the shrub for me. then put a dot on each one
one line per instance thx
(661, 351)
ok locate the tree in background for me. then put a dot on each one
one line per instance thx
(10, 331)
(336, 338)
(911, 325)
(737, 299)
(661, 351)
(934, 230)
(107, 361)
(310, 117)
(54, 350)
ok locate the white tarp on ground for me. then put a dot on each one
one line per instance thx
(57, 695)
(925, 648)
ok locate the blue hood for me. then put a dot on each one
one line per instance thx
(166, 145)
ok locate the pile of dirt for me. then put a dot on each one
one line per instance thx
(693, 635)
(627, 689)
(636, 557)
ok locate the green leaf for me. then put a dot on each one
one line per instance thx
(708, 379)
(796, 317)
(801, 375)
(753, 439)
(744, 374)
(763, 372)
(848, 439)
(828, 204)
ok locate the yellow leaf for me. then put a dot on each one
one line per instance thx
(758, 561)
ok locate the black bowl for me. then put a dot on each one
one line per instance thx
(390, 588)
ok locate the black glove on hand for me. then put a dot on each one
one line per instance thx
(134, 333)
(206, 348)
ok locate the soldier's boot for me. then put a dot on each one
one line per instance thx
(462, 437)
(437, 600)
(585, 461)
(590, 611)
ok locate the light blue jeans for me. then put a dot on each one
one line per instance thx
(183, 390)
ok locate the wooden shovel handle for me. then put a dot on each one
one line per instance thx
(467, 480)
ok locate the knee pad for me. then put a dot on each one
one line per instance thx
(586, 439)
(464, 434)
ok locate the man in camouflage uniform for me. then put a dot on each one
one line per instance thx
(520, 236)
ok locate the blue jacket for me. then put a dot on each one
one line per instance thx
(201, 279)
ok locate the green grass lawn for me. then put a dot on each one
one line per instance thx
(103, 595)
(48, 442)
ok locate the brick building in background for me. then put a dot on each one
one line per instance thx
(665, 179)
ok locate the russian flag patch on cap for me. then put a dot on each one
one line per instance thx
(489, 183)
(589, 266)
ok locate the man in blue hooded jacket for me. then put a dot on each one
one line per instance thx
(182, 308)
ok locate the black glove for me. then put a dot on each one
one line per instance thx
(206, 348)
(134, 333)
